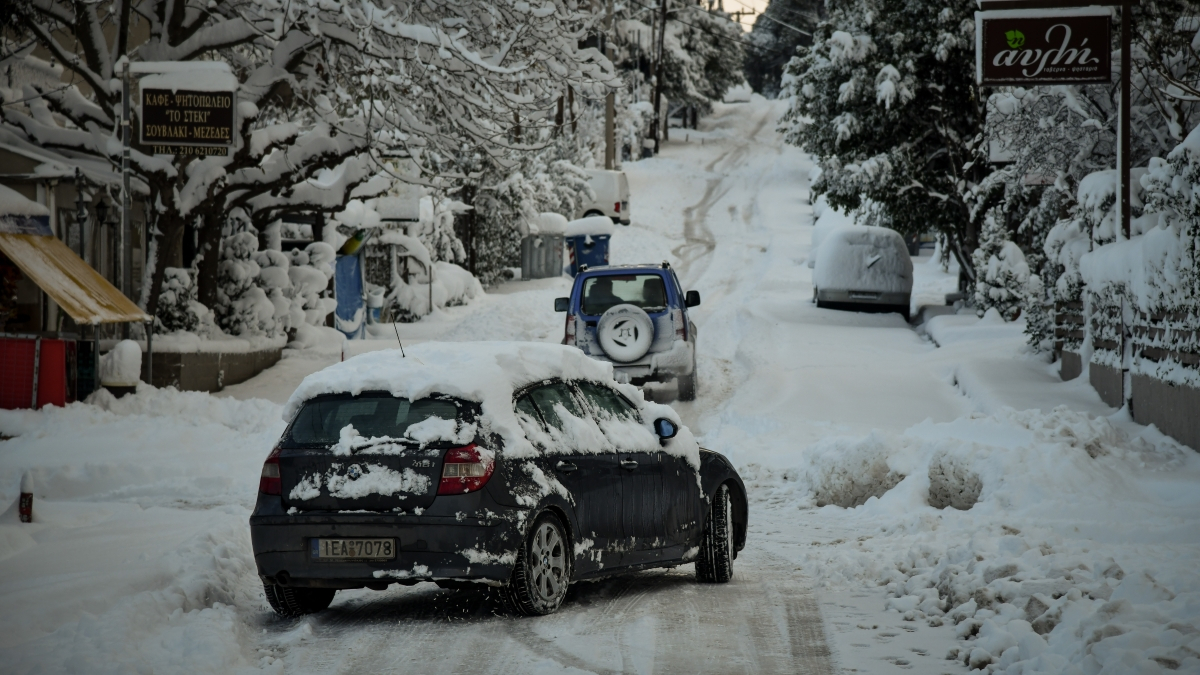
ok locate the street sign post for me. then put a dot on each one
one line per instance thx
(186, 118)
(1027, 47)
(1062, 26)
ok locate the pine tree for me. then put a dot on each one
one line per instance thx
(1002, 280)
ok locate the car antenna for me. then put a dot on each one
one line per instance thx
(397, 328)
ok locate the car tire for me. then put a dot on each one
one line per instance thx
(291, 602)
(687, 385)
(714, 565)
(625, 333)
(543, 571)
(593, 212)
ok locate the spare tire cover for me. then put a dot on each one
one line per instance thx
(625, 333)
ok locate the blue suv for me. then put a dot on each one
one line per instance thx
(635, 317)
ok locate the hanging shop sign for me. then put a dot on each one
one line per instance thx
(1049, 46)
(191, 121)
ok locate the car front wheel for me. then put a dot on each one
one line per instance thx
(543, 570)
(714, 565)
(291, 602)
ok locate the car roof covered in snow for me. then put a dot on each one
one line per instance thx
(485, 372)
(489, 373)
(648, 267)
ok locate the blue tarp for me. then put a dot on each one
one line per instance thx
(348, 288)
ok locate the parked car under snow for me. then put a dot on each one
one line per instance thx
(517, 465)
(863, 268)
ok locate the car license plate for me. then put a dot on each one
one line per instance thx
(334, 550)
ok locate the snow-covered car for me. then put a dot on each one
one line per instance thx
(612, 196)
(636, 318)
(521, 466)
(863, 268)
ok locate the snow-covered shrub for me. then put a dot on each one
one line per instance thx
(1002, 275)
(310, 273)
(122, 365)
(243, 307)
(177, 307)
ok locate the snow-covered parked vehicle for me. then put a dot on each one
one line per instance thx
(863, 268)
(521, 466)
(636, 318)
(612, 196)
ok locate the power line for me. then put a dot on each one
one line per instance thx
(716, 35)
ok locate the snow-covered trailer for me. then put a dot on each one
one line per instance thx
(44, 368)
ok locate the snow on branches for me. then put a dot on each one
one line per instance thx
(324, 87)
(885, 98)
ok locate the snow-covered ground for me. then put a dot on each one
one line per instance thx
(1072, 550)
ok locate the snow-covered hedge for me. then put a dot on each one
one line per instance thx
(269, 292)
(1149, 281)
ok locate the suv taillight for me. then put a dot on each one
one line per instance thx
(464, 470)
(569, 331)
(269, 483)
(681, 332)
(617, 207)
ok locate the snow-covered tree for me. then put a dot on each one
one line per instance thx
(886, 100)
(702, 56)
(1002, 280)
(322, 87)
(177, 309)
(782, 27)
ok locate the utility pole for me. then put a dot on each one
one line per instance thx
(610, 100)
(658, 80)
(124, 238)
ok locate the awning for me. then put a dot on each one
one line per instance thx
(77, 288)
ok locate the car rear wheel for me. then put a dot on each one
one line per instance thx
(714, 565)
(593, 212)
(290, 602)
(543, 570)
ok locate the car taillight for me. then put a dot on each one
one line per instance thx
(269, 483)
(464, 470)
(681, 331)
(617, 207)
(569, 335)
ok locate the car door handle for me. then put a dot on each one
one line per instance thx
(566, 467)
(628, 464)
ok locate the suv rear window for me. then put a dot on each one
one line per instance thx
(601, 293)
(321, 420)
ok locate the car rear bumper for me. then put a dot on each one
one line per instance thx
(427, 548)
(658, 366)
(864, 297)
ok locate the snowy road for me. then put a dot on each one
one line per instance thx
(694, 207)
(139, 558)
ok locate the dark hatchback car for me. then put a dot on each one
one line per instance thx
(535, 471)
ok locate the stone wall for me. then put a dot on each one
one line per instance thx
(1173, 409)
(210, 371)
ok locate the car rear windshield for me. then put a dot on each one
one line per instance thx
(320, 421)
(601, 293)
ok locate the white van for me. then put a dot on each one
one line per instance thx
(612, 196)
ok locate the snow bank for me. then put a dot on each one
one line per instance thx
(489, 373)
(1056, 542)
(861, 258)
(122, 365)
(591, 225)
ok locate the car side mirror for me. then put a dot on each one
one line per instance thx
(562, 304)
(665, 429)
(692, 298)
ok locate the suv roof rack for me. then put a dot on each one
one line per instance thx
(666, 265)
(583, 267)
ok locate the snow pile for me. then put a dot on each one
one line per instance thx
(1054, 541)
(374, 479)
(452, 286)
(594, 225)
(13, 203)
(861, 258)
(489, 373)
(122, 365)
